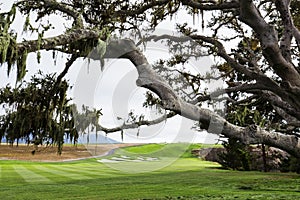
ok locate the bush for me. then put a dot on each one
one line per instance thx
(291, 164)
(236, 156)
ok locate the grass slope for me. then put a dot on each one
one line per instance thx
(184, 178)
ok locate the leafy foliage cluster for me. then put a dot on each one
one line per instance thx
(245, 111)
(37, 110)
(236, 156)
(85, 121)
(291, 164)
(8, 45)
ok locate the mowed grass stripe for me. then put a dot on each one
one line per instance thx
(29, 175)
(9, 175)
(60, 171)
(95, 170)
(84, 171)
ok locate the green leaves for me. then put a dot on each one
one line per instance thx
(236, 156)
(37, 108)
(8, 47)
(21, 66)
(295, 11)
(85, 118)
(27, 23)
(39, 42)
(101, 50)
(4, 41)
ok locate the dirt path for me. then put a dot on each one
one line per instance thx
(49, 154)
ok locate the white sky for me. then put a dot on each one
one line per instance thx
(114, 89)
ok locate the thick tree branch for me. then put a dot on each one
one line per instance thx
(205, 5)
(250, 88)
(137, 124)
(142, 8)
(264, 81)
(52, 5)
(66, 69)
(219, 49)
(60, 40)
(268, 38)
(211, 5)
(285, 43)
(278, 102)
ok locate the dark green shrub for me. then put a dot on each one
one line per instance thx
(291, 164)
(236, 156)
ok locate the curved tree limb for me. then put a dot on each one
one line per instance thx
(137, 124)
(60, 40)
(211, 5)
(285, 43)
(267, 34)
(50, 6)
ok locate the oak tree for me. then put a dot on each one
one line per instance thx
(258, 59)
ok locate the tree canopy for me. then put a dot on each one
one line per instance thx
(255, 45)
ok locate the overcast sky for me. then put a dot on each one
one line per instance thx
(114, 89)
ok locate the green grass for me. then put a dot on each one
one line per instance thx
(184, 178)
(182, 150)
